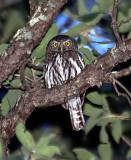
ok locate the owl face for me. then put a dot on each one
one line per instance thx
(62, 44)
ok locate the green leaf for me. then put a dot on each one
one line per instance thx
(103, 135)
(91, 122)
(85, 60)
(40, 51)
(83, 154)
(82, 8)
(105, 6)
(128, 154)
(28, 71)
(3, 47)
(48, 151)
(88, 53)
(24, 137)
(15, 82)
(13, 95)
(94, 97)
(14, 22)
(74, 31)
(91, 110)
(91, 17)
(69, 13)
(5, 106)
(116, 130)
(44, 141)
(1, 151)
(83, 40)
(105, 151)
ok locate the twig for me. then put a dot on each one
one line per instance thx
(121, 94)
(34, 66)
(123, 22)
(26, 86)
(126, 140)
(114, 22)
(117, 74)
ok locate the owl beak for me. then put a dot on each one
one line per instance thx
(61, 48)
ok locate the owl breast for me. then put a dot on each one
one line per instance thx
(62, 69)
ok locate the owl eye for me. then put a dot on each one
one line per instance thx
(55, 44)
(67, 43)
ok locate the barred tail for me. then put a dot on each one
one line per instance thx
(75, 108)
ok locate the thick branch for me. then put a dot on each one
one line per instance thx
(28, 37)
(93, 75)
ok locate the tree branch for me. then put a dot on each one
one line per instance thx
(28, 37)
(114, 22)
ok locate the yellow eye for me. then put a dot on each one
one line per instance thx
(67, 43)
(55, 44)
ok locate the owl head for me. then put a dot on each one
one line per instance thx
(62, 44)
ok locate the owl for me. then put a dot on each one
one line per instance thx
(62, 63)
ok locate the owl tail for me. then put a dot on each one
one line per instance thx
(75, 108)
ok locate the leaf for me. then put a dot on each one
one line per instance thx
(3, 47)
(81, 8)
(105, 151)
(14, 22)
(116, 130)
(105, 6)
(103, 135)
(91, 122)
(44, 141)
(91, 110)
(24, 137)
(94, 97)
(12, 96)
(90, 17)
(1, 151)
(83, 154)
(15, 82)
(74, 31)
(83, 40)
(128, 154)
(88, 53)
(47, 151)
(5, 106)
(69, 13)
(41, 49)
(8, 80)
(85, 60)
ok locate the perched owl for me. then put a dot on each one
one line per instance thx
(63, 62)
